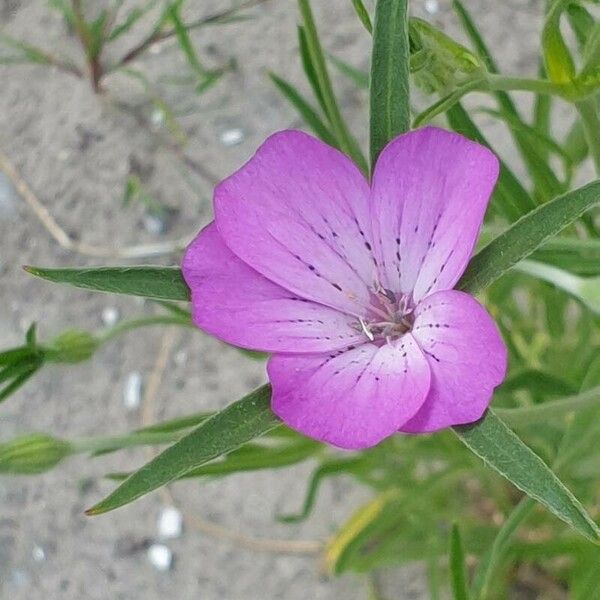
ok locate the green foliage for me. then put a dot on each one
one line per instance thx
(389, 94)
(32, 454)
(537, 270)
(224, 432)
(164, 283)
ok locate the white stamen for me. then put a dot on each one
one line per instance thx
(365, 329)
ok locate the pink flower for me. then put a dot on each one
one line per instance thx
(349, 286)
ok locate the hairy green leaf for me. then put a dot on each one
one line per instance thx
(164, 283)
(502, 450)
(225, 431)
(526, 235)
(389, 104)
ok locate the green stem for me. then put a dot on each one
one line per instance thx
(547, 410)
(142, 322)
(93, 445)
(487, 566)
(498, 83)
(588, 116)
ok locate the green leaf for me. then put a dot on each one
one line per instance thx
(553, 409)
(237, 424)
(526, 235)
(541, 173)
(307, 112)
(357, 76)
(458, 577)
(581, 256)
(389, 103)
(21, 379)
(133, 16)
(164, 283)
(488, 563)
(185, 43)
(363, 15)
(328, 468)
(252, 457)
(581, 22)
(557, 58)
(585, 289)
(509, 196)
(446, 102)
(309, 68)
(345, 141)
(502, 450)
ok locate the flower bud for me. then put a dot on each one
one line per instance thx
(437, 62)
(72, 346)
(32, 454)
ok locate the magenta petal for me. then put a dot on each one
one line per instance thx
(238, 305)
(297, 212)
(467, 358)
(354, 399)
(430, 191)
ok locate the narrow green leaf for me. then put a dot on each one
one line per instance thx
(488, 563)
(458, 577)
(446, 102)
(134, 15)
(345, 140)
(553, 409)
(389, 104)
(18, 381)
(309, 68)
(363, 15)
(557, 57)
(237, 424)
(13, 355)
(502, 450)
(509, 196)
(251, 457)
(539, 170)
(328, 468)
(357, 76)
(164, 283)
(584, 289)
(526, 235)
(185, 43)
(305, 110)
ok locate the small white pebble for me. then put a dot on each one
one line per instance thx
(432, 6)
(170, 523)
(160, 556)
(132, 393)
(110, 316)
(157, 117)
(38, 553)
(154, 224)
(232, 137)
(180, 358)
(63, 155)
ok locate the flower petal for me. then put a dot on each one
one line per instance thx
(238, 305)
(430, 191)
(353, 399)
(297, 212)
(466, 355)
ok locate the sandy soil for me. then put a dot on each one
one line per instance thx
(76, 151)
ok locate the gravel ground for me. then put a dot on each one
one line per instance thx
(76, 151)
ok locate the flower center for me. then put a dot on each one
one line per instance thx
(389, 315)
